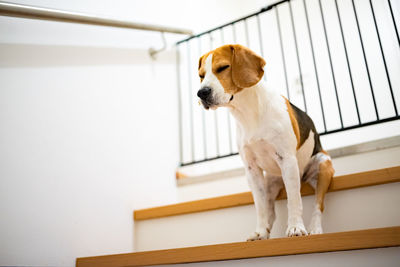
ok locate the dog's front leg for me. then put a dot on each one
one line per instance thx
(258, 186)
(291, 179)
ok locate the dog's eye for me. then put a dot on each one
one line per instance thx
(221, 69)
(201, 76)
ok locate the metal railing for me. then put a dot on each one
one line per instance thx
(338, 60)
(42, 13)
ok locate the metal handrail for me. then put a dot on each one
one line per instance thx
(34, 12)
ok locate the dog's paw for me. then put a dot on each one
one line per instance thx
(296, 230)
(315, 224)
(259, 235)
(316, 230)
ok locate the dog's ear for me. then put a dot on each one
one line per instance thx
(200, 60)
(247, 66)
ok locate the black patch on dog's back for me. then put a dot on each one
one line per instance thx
(305, 125)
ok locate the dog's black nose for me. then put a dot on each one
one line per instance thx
(204, 92)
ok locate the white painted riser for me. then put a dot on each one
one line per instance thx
(362, 208)
(383, 257)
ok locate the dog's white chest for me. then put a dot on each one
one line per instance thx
(263, 155)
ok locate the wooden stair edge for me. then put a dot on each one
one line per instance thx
(343, 182)
(341, 241)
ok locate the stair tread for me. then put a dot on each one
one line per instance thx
(351, 240)
(350, 181)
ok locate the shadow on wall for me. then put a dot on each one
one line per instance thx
(30, 55)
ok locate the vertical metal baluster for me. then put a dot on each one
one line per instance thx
(228, 117)
(178, 83)
(394, 22)
(260, 39)
(297, 55)
(315, 65)
(246, 30)
(234, 33)
(365, 59)
(190, 101)
(383, 58)
(330, 61)
(203, 117)
(348, 63)
(215, 112)
(282, 50)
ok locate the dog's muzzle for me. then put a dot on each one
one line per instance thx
(205, 95)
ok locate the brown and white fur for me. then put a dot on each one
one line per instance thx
(277, 141)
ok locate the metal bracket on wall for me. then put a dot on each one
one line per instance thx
(153, 52)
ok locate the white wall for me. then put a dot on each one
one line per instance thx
(88, 129)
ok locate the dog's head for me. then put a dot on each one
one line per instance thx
(226, 71)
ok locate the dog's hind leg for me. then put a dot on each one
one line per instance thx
(320, 176)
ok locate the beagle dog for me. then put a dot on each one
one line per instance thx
(277, 142)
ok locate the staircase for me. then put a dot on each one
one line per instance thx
(362, 213)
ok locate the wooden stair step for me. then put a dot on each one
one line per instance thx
(341, 241)
(344, 182)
